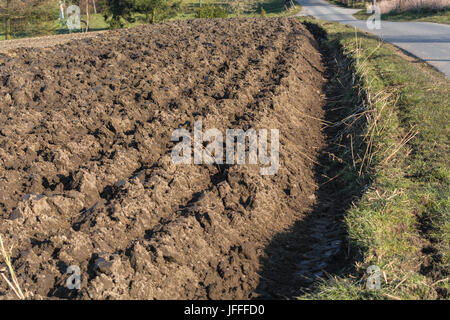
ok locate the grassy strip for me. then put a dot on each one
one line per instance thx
(401, 162)
(424, 15)
(349, 4)
(273, 8)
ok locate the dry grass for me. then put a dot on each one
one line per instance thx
(369, 114)
(13, 283)
(388, 6)
(394, 141)
(436, 11)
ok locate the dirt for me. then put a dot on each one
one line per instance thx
(45, 41)
(87, 179)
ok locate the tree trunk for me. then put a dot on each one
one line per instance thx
(8, 21)
(87, 15)
(154, 16)
(8, 28)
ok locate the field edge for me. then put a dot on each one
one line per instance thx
(401, 222)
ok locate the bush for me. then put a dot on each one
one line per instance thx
(116, 12)
(263, 13)
(42, 19)
(157, 10)
(30, 18)
(211, 11)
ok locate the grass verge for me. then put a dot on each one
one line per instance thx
(395, 143)
(189, 8)
(424, 15)
(349, 4)
(272, 8)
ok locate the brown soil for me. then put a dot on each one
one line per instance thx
(45, 41)
(86, 176)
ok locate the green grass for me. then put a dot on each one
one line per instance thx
(273, 8)
(405, 208)
(425, 15)
(96, 23)
(350, 4)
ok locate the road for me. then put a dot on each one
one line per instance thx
(425, 40)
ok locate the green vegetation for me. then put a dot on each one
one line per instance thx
(239, 8)
(424, 15)
(36, 17)
(157, 10)
(120, 12)
(211, 11)
(397, 155)
(130, 13)
(350, 3)
(117, 12)
(263, 13)
(276, 8)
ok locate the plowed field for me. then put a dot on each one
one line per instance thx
(86, 175)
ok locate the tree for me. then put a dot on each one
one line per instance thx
(28, 16)
(240, 6)
(8, 16)
(115, 11)
(210, 11)
(156, 10)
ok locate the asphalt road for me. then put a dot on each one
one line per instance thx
(427, 41)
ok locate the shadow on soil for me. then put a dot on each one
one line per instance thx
(316, 246)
